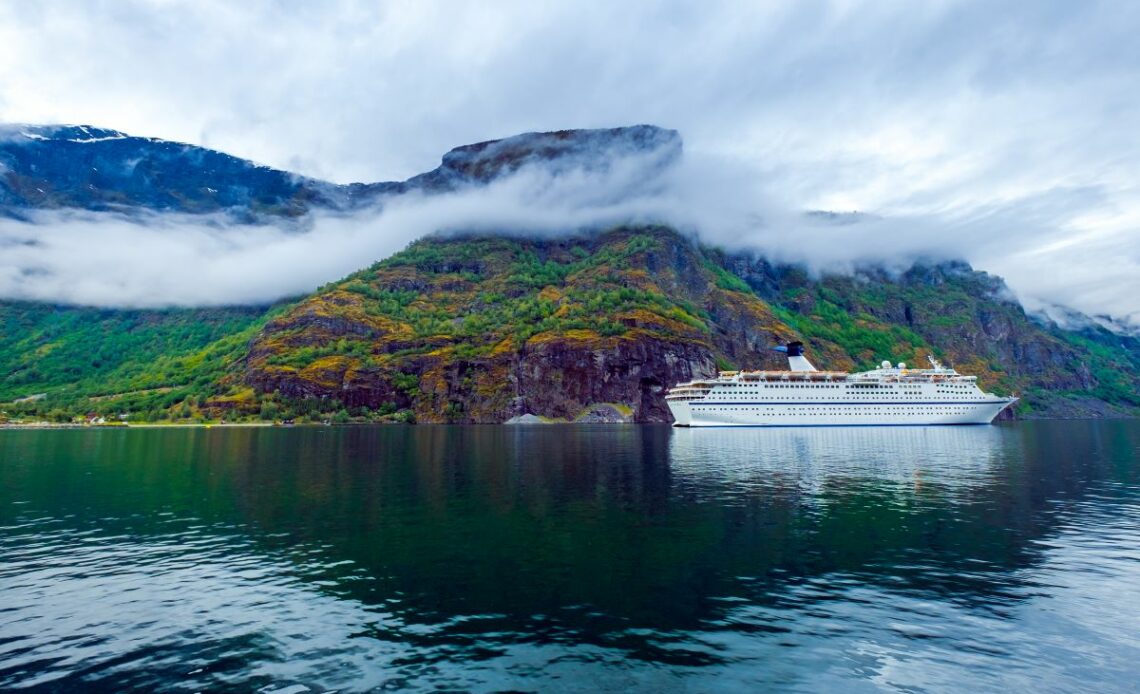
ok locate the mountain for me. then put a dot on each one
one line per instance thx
(94, 169)
(593, 327)
(586, 326)
(85, 168)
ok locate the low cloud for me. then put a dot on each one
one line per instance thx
(1082, 262)
(154, 260)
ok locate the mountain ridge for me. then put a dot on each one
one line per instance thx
(81, 167)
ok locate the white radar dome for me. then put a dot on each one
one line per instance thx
(886, 364)
(902, 364)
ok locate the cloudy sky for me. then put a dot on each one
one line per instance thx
(1005, 133)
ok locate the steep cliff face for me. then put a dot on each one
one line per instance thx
(485, 329)
(559, 151)
(966, 317)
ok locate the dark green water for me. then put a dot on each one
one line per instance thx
(572, 559)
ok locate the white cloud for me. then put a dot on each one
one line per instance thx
(980, 130)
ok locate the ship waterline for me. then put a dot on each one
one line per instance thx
(804, 396)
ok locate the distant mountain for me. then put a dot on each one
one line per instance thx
(95, 169)
(86, 168)
(1126, 328)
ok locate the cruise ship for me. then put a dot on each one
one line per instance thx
(804, 396)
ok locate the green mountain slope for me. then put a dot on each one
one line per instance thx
(72, 360)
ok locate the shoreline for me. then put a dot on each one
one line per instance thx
(45, 426)
(158, 425)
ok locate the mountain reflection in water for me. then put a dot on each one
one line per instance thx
(574, 558)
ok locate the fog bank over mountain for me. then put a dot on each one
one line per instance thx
(147, 259)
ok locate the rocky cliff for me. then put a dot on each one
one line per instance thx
(486, 329)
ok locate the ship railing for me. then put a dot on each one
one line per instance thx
(756, 376)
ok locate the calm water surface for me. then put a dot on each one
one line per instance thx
(572, 559)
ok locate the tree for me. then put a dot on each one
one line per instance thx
(269, 410)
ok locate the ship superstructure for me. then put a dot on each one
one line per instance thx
(804, 396)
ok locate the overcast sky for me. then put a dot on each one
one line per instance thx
(1011, 126)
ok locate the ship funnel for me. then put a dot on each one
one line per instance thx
(796, 359)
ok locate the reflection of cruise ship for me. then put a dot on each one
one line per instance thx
(803, 396)
(809, 459)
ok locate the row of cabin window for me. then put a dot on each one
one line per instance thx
(859, 384)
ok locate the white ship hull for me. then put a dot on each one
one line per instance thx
(720, 414)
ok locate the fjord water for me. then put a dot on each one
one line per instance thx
(594, 558)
